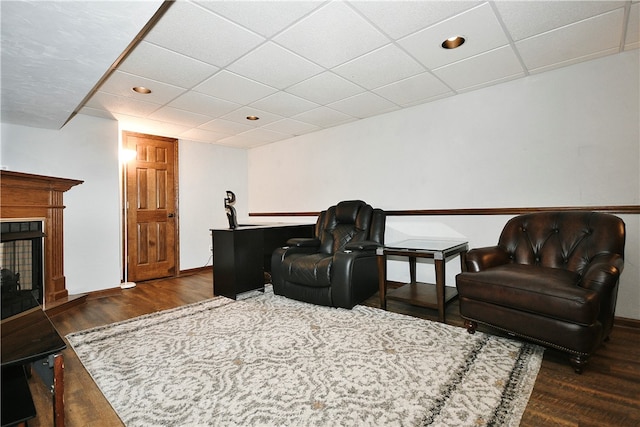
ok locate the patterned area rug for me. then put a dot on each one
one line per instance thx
(271, 361)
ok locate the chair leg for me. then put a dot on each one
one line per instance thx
(578, 362)
(471, 326)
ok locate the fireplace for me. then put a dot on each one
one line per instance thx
(21, 265)
(33, 204)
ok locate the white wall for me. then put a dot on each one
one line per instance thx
(206, 173)
(86, 149)
(568, 137)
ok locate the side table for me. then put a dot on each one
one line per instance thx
(28, 337)
(428, 295)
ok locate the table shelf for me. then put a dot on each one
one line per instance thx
(28, 337)
(421, 294)
(17, 403)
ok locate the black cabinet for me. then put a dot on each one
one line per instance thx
(241, 256)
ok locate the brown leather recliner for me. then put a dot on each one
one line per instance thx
(552, 279)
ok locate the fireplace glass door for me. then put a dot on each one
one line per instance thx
(21, 266)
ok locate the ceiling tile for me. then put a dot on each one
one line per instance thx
(272, 65)
(363, 105)
(632, 39)
(153, 127)
(181, 117)
(400, 18)
(96, 113)
(67, 47)
(390, 62)
(165, 66)
(526, 18)
(486, 68)
(332, 35)
(264, 135)
(433, 98)
(591, 37)
(121, 84)
(240, 116)
(280, 59)
(264, 17)
(227, 41)
(225, 126)
(234, 88)
(417, 88)
(325, 88)
(324, 117)
(479, 26)
(290, 126)
(200, 103)
(241, 141)
(284, 104)
(120, 104)
(196, 134)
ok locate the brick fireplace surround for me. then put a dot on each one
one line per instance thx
(28, 196)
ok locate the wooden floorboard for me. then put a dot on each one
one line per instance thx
(606, 394)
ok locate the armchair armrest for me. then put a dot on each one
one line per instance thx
(294, 246)
(364, 245)
(303, 242)
(603, 272)
(479, 259)
(354, 276)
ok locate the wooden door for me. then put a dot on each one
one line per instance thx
(151, 184)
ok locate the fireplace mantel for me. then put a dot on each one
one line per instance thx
(25, 195)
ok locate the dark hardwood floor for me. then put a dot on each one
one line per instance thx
(606, 394)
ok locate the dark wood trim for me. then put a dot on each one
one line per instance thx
(64, 304)
(616, 209)
(284, 213)
(192, 271)
(627, 322)
(31, 181)
(26, 195)
(632, 209)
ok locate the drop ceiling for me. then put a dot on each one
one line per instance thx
(300, 66)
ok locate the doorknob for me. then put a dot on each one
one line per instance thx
(171, 215)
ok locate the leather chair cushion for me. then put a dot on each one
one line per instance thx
(545, 291)
(308, 269)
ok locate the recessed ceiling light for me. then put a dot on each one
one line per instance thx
(453, 42)
(253, 118)
(141, 89)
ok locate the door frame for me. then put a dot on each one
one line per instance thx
(125, 209)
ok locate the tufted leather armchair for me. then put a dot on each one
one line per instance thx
(338, 267)
(552, 279)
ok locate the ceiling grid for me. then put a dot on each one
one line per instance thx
(300, 66)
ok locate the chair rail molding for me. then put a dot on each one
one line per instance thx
(619, 209)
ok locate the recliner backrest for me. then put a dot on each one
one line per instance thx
(568, 240)
(347, 221)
